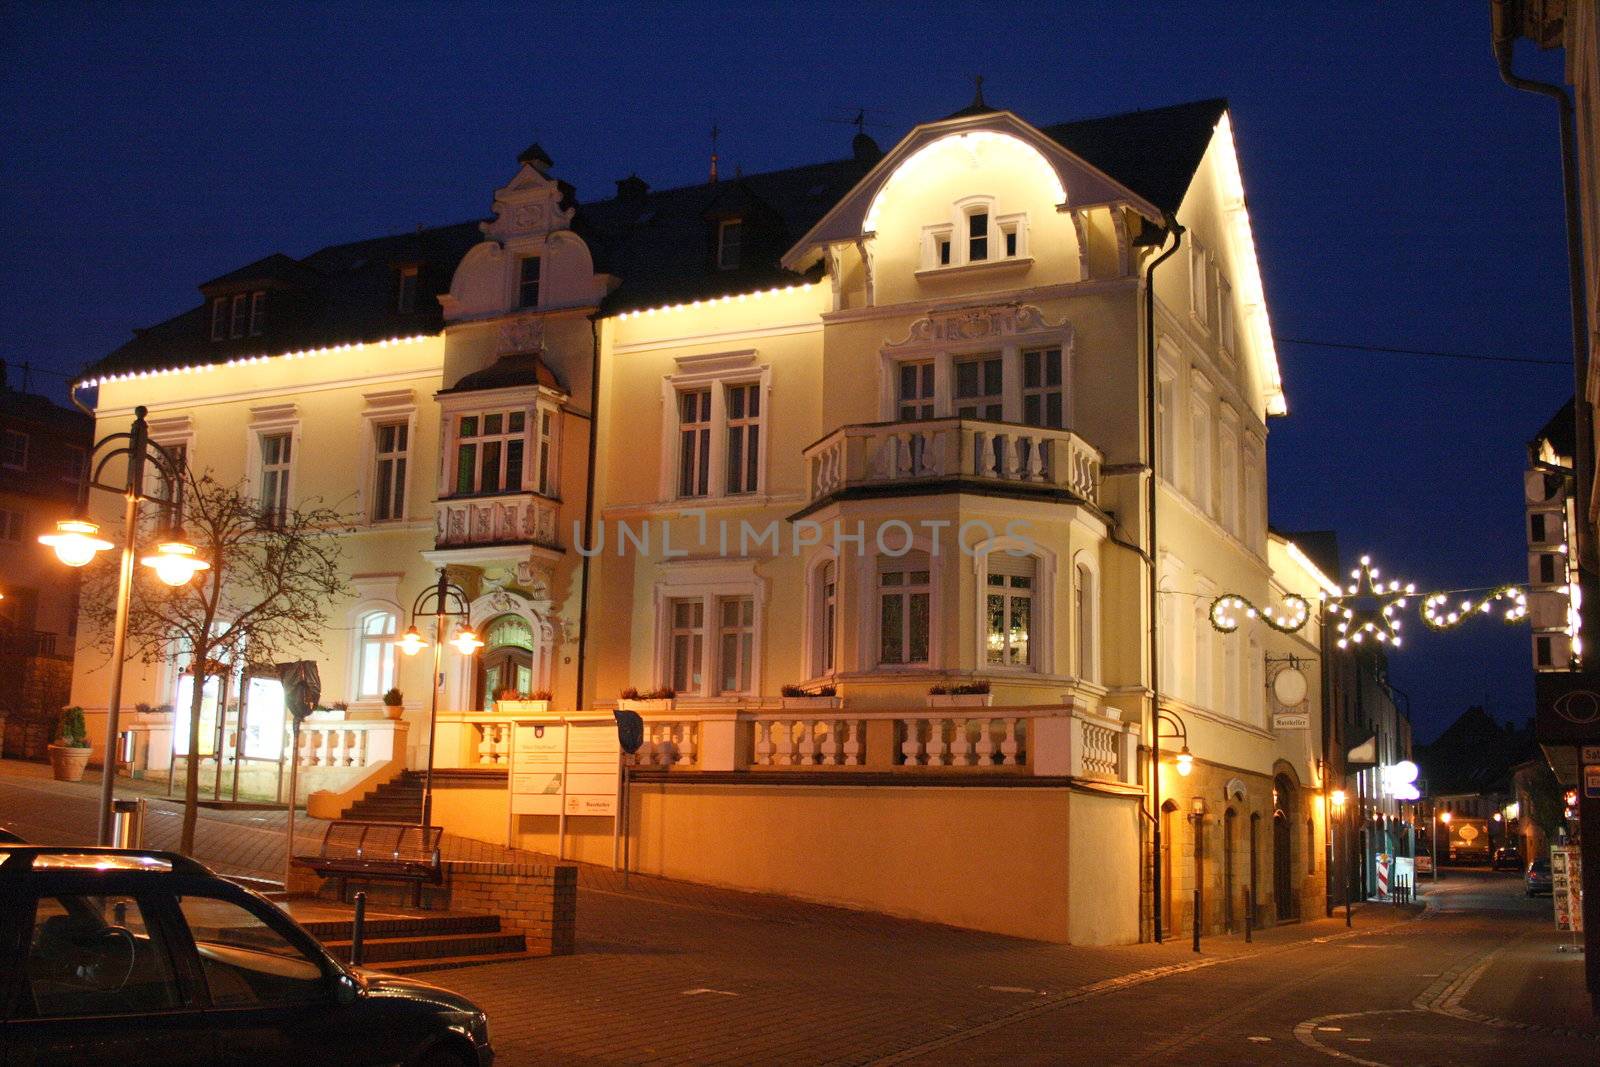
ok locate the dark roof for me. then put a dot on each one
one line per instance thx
(1155, 153)
(513, 369)
(1474, 754)
(1560, 431)
(340, 294)
(659, 243)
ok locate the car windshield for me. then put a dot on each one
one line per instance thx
(1541, 867)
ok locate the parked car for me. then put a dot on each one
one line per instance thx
(1507, 858)
(128, 957)
(1539, 880)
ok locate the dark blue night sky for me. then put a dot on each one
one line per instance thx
(1400, 194)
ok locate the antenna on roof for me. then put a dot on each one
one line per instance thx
(977, 96)
(714, 132)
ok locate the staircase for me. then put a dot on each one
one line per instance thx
(401, 944)
(397, 800)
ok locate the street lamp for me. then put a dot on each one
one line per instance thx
(447, 600)
(1336, 798)
(1444, 817)
(1185, 763)
(77, 541)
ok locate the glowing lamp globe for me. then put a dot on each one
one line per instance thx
(411, 642)
(1337, 796)
(466, 642)
(75, 541)
(175, 562)
(1185, 761)
(1445, 817)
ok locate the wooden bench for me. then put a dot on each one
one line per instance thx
(379, 851)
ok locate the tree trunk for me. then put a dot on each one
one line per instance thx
(191, 782)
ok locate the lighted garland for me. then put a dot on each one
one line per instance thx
(1369, 606)
(1437, 613)
(1227, 608)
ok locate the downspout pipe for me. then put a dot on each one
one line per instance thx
(588, 503)
(1582, 411)
(1152, 563)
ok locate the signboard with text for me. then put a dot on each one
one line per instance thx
(564, 767)
(1291, 720)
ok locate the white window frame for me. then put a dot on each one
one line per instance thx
(715, 372)
(1167, 417)
(1227, 325)
(533, 403)
(1203, 680)
(1041, 630)
(736, 225)
(265, 422)
(821, 650)
(519, 283)
(1202, 444)
(692, 634)
(390, 406)
(1254, 495)
(1199, 285)
(373, 593)
(382, 644)
(945, 356)
(1043, 390)
(744, 634)
(695, 440)
(709, 582)
(902, 564)
(1174, 677)
(1086, 616)
(956, 230)
(1228, 453)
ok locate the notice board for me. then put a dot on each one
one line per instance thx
(564, 766)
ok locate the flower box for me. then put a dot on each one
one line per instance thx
(642, 706)
(522, 707)
(816, 703)
(960, 700)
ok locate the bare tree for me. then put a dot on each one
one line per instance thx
(266, 597)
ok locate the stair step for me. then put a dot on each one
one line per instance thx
(432, 947)
(451, 963)
(405, 926)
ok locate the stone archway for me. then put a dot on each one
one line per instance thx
(463, 677)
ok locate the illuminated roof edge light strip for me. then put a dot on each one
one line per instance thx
(241, 361)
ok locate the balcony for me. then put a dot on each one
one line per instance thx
(503, 519)
(958, 453)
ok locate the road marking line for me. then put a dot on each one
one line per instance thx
(1306, 1033)
(702, 992)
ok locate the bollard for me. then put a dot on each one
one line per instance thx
(1249, 915)
(1197, 920)
(127, 823)
(358, 932)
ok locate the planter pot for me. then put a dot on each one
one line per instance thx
(811, 703)
(393, 711)
(643, 706)
(960, 700)
(522, 707)
(68, 762)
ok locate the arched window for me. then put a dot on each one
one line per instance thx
(506, 662)
(826, 621)
(375, 654)
(1008, 599)
(1086, 610)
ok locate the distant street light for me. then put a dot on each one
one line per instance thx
(77, 541)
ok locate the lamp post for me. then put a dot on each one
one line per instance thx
(1444, 817)
(448, 600)
(1337, 799)
(1184, 761)
(77, 541)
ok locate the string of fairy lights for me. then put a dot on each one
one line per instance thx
(1371, 607)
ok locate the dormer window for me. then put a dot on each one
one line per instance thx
(729, 232)
(528, 282)
(406, 291)
(974, 235)
(239, 315)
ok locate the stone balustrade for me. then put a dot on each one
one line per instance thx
(346, 743)
(508, 518)
(944, 449)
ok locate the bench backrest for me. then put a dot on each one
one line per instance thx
(396, 842)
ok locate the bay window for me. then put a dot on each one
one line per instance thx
(1043, 400)
(1009, 615)
(489, 452)
(904, 588)
(978, 390)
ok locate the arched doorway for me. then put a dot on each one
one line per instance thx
(1283, 846)
(506, 661)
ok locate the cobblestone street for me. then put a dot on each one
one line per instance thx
(673, 973)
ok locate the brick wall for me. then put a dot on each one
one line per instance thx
(538, 900)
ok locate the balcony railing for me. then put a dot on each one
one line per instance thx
(935, 450)
(508, 518)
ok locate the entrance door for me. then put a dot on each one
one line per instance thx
(1283, 847)
(506, 662)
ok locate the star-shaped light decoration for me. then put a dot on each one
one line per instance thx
(1369, 606)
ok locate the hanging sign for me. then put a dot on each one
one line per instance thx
(1591, 780)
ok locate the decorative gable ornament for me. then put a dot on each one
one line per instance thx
(976, 323)
(525, 334)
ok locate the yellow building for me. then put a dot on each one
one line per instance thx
(868, 492)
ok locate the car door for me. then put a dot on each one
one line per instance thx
(98, 984)
(274, 1001)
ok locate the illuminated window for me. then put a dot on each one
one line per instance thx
(1008, 603)
(904, 588)
(490, 447)
(528, 282)
(1086, 612)
(406, 293)
(729, 235)
(375, 655)
(391, 453)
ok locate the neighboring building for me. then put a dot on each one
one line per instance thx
(861, 429)
(42, 454)
(1470, 771)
